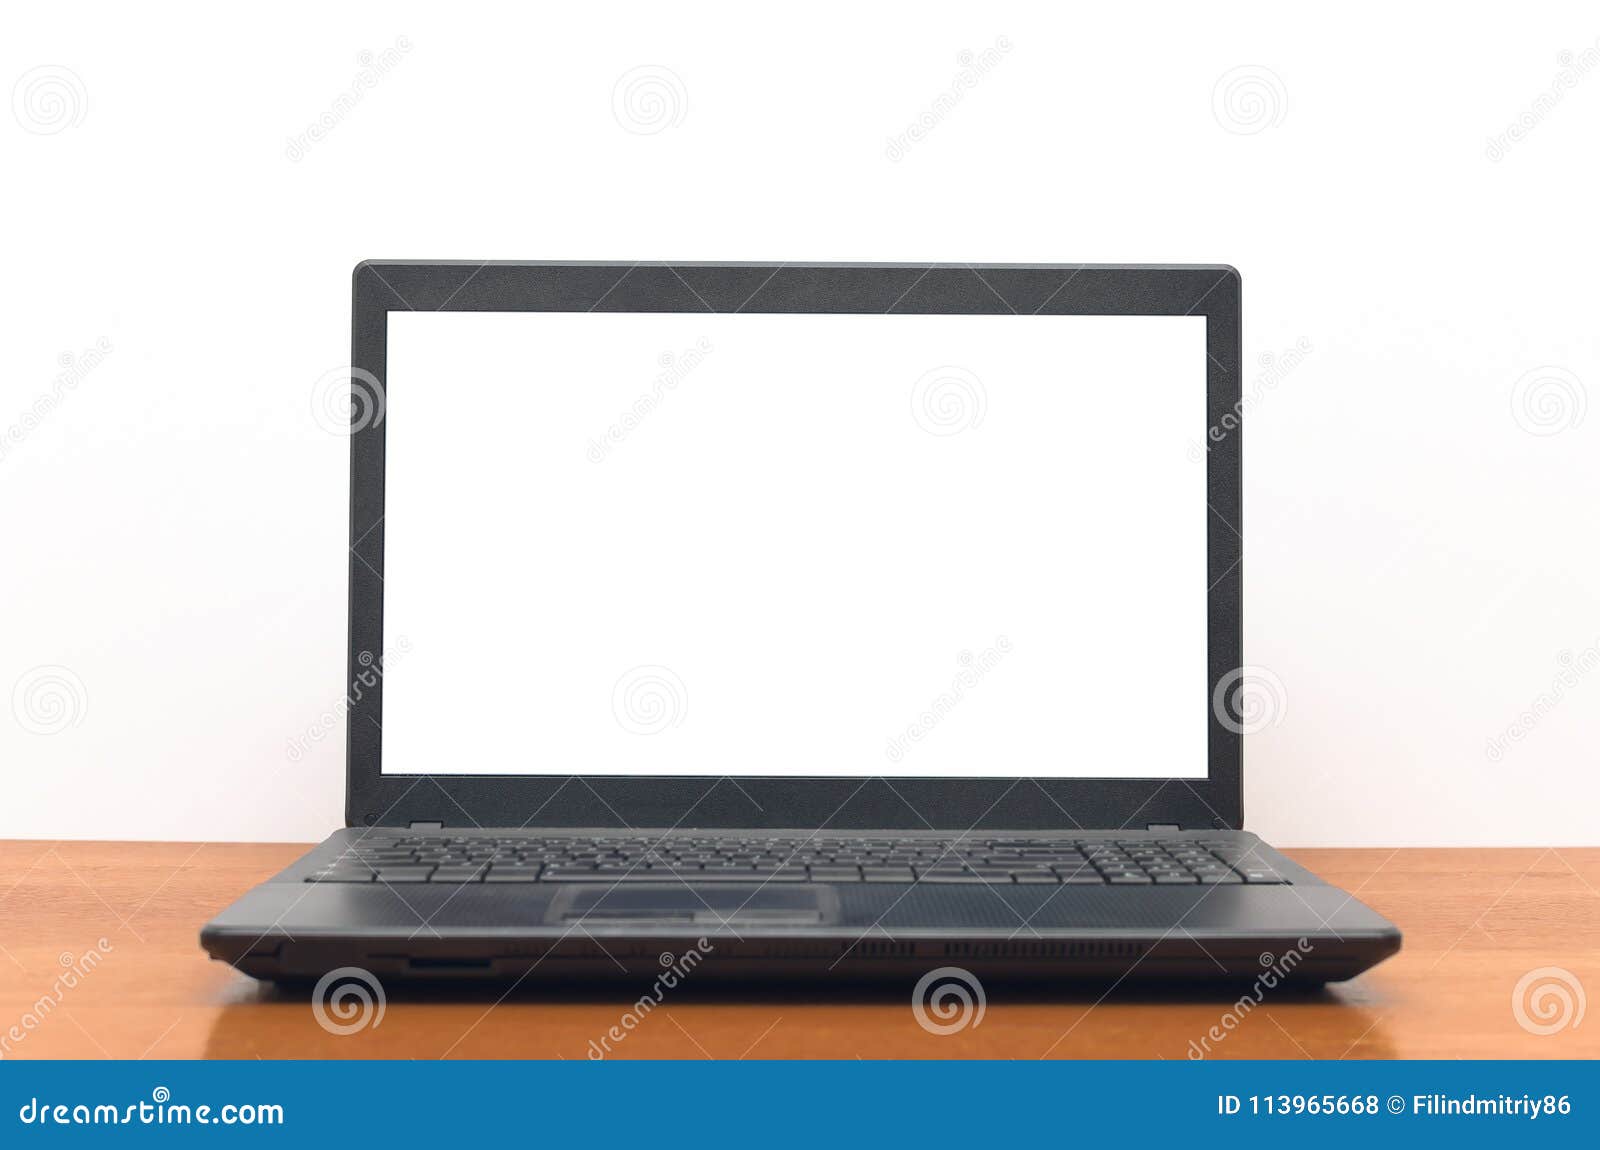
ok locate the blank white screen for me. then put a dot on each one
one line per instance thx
(902, 545)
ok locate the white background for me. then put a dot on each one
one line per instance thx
(1420, 559)
(897, 545)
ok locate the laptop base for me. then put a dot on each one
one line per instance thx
(1298, 931)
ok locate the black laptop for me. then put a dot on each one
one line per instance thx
(830, 621)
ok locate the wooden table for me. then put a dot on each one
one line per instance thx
(1476, 922)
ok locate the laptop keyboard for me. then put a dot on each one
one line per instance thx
(404, 858)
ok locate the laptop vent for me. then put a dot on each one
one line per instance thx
(871, 949)
(864, 950)
(1039, 948)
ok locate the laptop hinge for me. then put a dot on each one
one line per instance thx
(1162, 827)
(425, 826)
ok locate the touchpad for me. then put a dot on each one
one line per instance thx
(700, 906)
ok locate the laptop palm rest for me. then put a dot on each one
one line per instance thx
(699, 906)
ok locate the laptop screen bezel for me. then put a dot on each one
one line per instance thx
(751, 800)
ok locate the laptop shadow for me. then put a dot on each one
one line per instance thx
(800, 992)
(829, 1019)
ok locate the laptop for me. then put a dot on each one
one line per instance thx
(833, 621)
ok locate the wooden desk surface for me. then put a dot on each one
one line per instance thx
(1476, 922)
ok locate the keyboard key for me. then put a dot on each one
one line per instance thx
(1258, 875)
(512, 874)
(755, 858)
(404, 873)
(993, 873)
(1034, 868)
(947, 874)
(341, 874)
(580, 873)
(1085, 877)
(723, 875)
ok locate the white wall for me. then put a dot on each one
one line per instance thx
(1420, 540)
